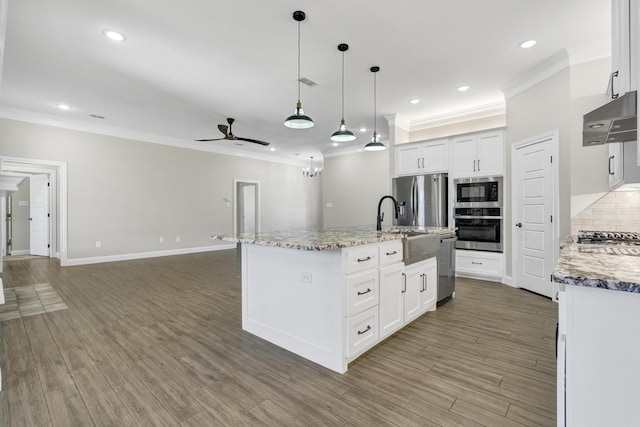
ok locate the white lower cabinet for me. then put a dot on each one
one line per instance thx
(362, 332)
(406, 293)
(480, 264)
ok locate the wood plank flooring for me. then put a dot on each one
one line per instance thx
(159, 342)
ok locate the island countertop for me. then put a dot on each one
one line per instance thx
(605, 267)
(322, 239)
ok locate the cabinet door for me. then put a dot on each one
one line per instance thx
(414, 282)
(435, 156)
(464, 156)
(391, 315)
(616, 162)
(621, 48)
(490, 152)
(408, 159)
(430, 286)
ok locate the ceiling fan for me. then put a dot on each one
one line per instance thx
(228, 135)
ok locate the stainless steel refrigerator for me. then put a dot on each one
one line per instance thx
(422, 200)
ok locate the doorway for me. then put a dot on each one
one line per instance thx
(535, 205)
(246, 206)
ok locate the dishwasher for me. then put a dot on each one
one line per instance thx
(447, 266)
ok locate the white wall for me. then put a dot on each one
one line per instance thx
(127, 194)
(353, 184)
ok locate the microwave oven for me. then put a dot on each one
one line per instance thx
(478, 192)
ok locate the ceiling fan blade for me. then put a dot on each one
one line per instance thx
(207, 140)
(224, 129)
(255, 141)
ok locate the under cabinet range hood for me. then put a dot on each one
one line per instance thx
(615, 121)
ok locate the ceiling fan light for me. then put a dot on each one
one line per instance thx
(342, 134)
(299, 120)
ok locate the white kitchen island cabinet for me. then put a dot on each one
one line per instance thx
(322, 299)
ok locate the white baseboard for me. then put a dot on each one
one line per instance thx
(508, 280)
(479, 277)
(141, 255)
(21, 252)
(1, 298)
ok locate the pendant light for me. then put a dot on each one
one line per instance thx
(342, 134)
(299, 120)
(310, 171)
(375, 144)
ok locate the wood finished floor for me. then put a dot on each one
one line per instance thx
(159, 342)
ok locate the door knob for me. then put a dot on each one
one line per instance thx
(519, 225)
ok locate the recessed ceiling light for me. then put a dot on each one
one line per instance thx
(527, 44)
(272, 149)
(64, 107)
(113, 35)
(414, 101)
(335, 144)
(362, 129)
(463, 88)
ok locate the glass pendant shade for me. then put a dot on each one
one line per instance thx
(342, 134)
(298, 120)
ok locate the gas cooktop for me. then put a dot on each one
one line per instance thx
(622, 238)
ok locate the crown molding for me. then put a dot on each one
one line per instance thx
(76, 125)
(350, 150)
(547, 68)
(399, 122)
(586, 52)
(452, 117)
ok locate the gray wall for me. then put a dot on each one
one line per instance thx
(20, 218)
(354, 183)
(127, 194)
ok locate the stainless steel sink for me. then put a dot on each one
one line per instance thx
(418, 246)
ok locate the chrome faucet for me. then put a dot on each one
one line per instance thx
(380, 217)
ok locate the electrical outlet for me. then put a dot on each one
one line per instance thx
(98, 244)
(177, 238)
(306, 277)
(162, 240)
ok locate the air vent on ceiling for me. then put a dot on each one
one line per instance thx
(96, 116)
(308, 81)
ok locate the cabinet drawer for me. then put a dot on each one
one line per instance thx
(478, 264)
(361, 258)
(362, 331)
(363, 291)
(390, 252)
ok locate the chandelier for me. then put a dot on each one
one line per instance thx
(310, 171)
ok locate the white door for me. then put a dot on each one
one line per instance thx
(39, 215)
(534, 199)
(248, 220)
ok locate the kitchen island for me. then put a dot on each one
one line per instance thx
(329, 295)
(598, 343)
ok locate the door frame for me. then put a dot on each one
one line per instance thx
(236, 201)
(57, 172)
(554, 137)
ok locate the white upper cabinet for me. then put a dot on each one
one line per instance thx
(625, 52)
(422, 157)
(480, 154)
(616, 164)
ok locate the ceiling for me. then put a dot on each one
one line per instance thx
(186, 66)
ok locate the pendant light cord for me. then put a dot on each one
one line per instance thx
(298, 61)
(375, 130)
(343, 85)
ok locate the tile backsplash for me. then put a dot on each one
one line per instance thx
(615, 211)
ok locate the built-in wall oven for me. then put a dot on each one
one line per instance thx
(478, 214)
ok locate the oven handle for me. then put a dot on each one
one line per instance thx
(476, 217)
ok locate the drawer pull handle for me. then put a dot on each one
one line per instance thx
(364, 292)
(392, 253)
(404, 289)
(364, 259)
(367, 329)
(476, 263)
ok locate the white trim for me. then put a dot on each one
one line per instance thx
(237, 181)
(60, 171)
(554, 138)
(4, 6)
(358, 148)
(20, 252)
(188, 144)
(1, 302)
(141, 255)
(452, 117)
(508, 280)
(547, 68)
(394, 120)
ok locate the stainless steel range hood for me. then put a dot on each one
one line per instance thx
(615, 121)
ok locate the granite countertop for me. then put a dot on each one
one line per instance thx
(606, 267)
(323, 239)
